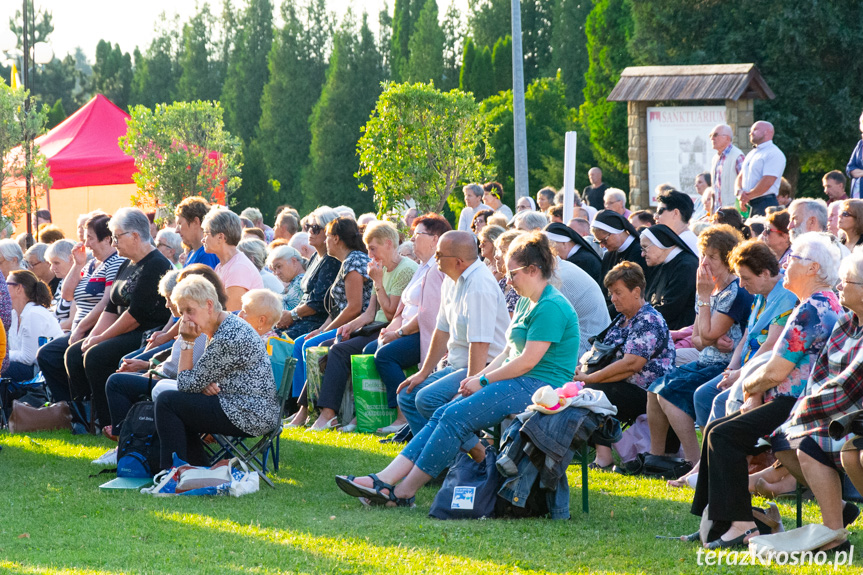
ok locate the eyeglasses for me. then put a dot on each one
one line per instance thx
(162, 245)
(12, 284)
(511, 273)
(796, 257)
(846, 282)
(34, 264)
(116, 237)
(416, 234)
(601, 239)
(661, 210)
(438, 256)
(847, 214)
(313, 229)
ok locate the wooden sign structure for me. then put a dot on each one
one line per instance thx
(735, 85)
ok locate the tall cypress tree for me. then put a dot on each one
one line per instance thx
(569, 47)
(347, 99)
(199, 79)
(501, 58)
(483, 74)
(453, 33)
(465, 77)
(402, 29)
(247, 72)
(426, 47)
(298, 67)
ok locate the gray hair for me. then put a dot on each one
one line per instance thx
(615, 194)
(171, 239)
(38, 249)
(61, 249)
(266, 301)
(475, 189)
(817, 247)
(346, 212)
(253, 214)
(531, 221)
(725, 129)
(367, 218)
(853, 263)
(131, 220)
(285, 253)
(223, 221)
(10, 250)
(288, 220)
(168, 283)
(197, 289)
(255, 250)
(322, 216)
(811, 208)
(299, 240)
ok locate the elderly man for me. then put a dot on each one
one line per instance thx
(675, 210)
(473, 203)
(725, 167)
(471, 326)
(582, 226)
(257, 219)
(758, 181)
(809, 215)
(615, 200)
(834, 189)
(586, 299)
(594, 194)
(287, 225)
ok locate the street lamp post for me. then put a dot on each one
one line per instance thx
(518, 113)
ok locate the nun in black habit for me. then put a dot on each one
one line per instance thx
(575, 249)
(671, 289)
(620, 239)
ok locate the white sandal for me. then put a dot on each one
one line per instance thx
(331, 424)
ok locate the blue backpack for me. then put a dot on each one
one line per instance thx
(138, 443)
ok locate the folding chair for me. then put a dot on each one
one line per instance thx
(256, 452)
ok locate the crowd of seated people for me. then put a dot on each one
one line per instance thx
(751, 341)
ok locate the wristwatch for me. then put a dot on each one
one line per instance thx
(702, 303)
(186, 345)
(401, 332)
(483, 381)
(294, 315)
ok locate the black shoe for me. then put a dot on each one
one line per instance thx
(850, 513)
(736, 542)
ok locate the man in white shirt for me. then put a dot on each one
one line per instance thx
(473, 203)
(674, 210)
(758, 181)
(471, 328)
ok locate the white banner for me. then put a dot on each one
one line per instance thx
(678, 146)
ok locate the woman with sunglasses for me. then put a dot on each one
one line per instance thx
(851, 222)
(540, 339)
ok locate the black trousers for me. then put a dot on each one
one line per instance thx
(339, 370)
(89, 371)
(723, 479)
(180, 420)
(50, 360)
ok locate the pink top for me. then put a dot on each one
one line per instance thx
(239, 271)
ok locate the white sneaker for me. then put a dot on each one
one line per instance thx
(107, 458)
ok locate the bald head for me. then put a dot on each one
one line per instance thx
(760, 132)
(595, 176)
(460, 244)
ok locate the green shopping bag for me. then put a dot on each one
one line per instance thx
(315, 378)
(370, 395)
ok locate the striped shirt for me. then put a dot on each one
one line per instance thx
(60, 306)
(95, 278)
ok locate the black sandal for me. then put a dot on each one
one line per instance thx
(373, 494)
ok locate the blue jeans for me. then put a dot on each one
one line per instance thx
(300, 345)
(19, 372)
(679, 385)
(438, 443)
(710, 402)
(145, 355)
(442, 386)
(392, 358)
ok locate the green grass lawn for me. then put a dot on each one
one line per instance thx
(56, 520)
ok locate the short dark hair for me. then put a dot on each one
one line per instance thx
(756, 256)
(644, 217)
(629, 273)
(779, 220)
(435, 224)
(679, 201)
(729, 215)
(347, 230)
(556, 211)
(210, 275)
(98, 224)
(44, 214)
(706, 177)
(547, 192)
(191, 208)
(836, 176)
(486, 214)
(494, 188)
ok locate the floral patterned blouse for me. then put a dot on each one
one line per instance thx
(646, 336)
(510, 296)
(356, 261)
(293, 293)
(807, 330)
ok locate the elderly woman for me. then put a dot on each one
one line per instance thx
(262, 309)
(256, 251)
(134, 308)
(230, 390)
(35, 261)
(310, 313)
(486, 238)
(529, 221)
(170, 244)
(479, 220)
(501, 246)
(776, 235)
(391, 273)
(570, 246)
(620, 240)
(538, 353)
(525, 204)
(851, 222)
(348, 297)
(222, 233)
(671, 290)
(644, 351)
(723, 310)
(60, 261)
(11, 257)
(88, 284)
(31, 320)
(771, 392)
(289, 267)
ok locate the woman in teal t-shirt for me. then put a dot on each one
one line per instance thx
(540, 340)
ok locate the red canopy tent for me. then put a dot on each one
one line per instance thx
(86, 162)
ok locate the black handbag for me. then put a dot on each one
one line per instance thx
(370, 329)
(601, 354)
